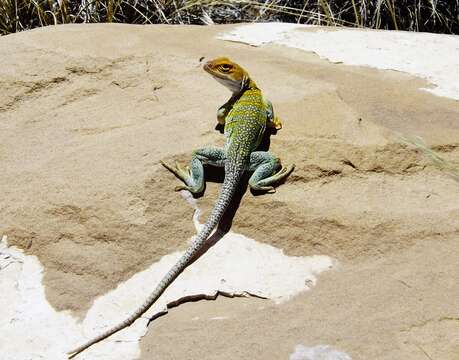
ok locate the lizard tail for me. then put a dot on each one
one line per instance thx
(228, 188)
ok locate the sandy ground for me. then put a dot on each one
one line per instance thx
(87, 112)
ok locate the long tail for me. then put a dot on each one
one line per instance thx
(228, 188)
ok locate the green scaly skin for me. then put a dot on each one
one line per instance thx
(246, 116)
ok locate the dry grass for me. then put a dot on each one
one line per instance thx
(415, 15)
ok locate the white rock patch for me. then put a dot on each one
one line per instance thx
(434, 57)
(320, 352)
(30, 328)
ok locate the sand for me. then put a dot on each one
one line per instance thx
(87, 112)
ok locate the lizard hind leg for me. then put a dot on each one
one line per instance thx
(267, 171)
(193, 175)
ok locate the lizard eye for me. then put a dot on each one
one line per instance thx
(225, 67)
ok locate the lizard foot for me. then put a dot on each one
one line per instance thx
(275, 123)
(281, 175)
(185, 175)
(265, 189)
(266, 184)
(183, 187)
(182, 174)
(285, 171)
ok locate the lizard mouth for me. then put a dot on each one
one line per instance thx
(207, 68)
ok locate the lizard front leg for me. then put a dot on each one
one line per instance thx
(193, 175)
(223, 111)
(221, 114)
(268, 171)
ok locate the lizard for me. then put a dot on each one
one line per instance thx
(245, 117)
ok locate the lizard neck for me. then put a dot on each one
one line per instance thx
(247, 84)
(250, 84)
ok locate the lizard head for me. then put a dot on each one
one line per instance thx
(229, 74)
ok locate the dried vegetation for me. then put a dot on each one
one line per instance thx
(440, 16)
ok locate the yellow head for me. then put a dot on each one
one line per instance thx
(229, 74)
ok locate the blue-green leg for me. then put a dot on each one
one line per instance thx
(267, 170)
(193, 175)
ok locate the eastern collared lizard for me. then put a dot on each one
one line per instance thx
(245, 117)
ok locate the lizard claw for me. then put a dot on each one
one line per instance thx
(167, 166)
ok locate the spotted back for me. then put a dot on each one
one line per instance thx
(244, 126)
